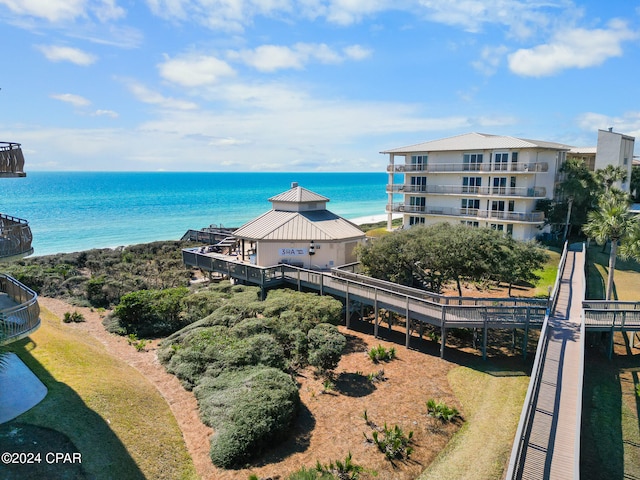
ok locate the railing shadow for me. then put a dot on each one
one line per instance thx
(601, 445)
(65, 411)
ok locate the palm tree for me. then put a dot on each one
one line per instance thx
(576, 187)
(631, 247)
(609, 175)
(611, 221)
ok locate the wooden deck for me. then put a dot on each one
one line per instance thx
(551, 447)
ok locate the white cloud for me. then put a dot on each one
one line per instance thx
(269, 58)
(147, 95)
(51, 10)
(56, 11)
(490, 59)
(105, 113)
(195, 70)
(67, 54)
(357, 52)
(572, 48)
(628, 123)
(75, 100)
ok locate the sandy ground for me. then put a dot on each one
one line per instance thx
(330, 424)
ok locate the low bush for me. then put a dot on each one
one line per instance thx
(310, 474)
(248, 409)
(394, 443)
(441, 411)
(151, 313)
(326, 344)
(381, 354)
(344, 470)
(75, 317)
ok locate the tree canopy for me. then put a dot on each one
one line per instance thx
(430, 256)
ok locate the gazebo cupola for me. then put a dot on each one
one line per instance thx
(298, 199)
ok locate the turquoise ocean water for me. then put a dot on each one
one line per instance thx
(72, 211)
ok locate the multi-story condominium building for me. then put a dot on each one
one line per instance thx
(486, 180)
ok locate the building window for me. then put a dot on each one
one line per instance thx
(470, 206)
(472, 161)
(471, 184)
(497, 226)
(626, 160)
(510, 229)
(499, 185)
(416, 220)
(418, 184)
(418, 159)
(512, 205)
(470, 223)
(417, 204)
(514, 161)
(501, 161)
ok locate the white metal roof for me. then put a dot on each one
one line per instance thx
(477, 141)
(584, 150)
(315, 225)
(298, 195)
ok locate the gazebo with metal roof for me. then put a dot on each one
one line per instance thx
(299, 230)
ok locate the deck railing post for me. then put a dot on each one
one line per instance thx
(408, 326)
(376, 313)
(347, 315)
(443, 331)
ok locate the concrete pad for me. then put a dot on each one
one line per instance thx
(20, 389)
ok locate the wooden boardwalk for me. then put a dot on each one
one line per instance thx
(552, 449)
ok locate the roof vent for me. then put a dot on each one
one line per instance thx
(294, 184)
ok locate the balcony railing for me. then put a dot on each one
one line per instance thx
(19, 320)
(532, 217)
(530, 192)
(469, 167)
(15, 237)
(11, 160)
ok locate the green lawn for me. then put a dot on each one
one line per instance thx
(102, 407)
(491, 404)
(610, 444)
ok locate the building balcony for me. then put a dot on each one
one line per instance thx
(527, 192)
(15, 237)
(473, 213)
(535, 167)
(11, 160)
(19, 310)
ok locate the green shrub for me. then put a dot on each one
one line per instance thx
(393, 442)
(249, 409)
(381, 354)
(326, 344)
(441, 411)
(149, 313)
(310, 474)
(96, 294)
(304, 310)
(346, 470)
(213, 350)
(75, 317)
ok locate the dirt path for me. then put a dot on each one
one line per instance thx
(331, 424)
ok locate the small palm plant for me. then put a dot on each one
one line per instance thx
(441, 411)
(346, 470)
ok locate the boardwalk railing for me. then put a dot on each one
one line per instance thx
(516, 462)
(18, 321)
(15, 237)
(413, 304)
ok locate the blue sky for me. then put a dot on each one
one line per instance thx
(310, 85)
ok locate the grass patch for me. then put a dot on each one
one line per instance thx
(548, 273)
(626, 278)
(112, 415)
(481, 448)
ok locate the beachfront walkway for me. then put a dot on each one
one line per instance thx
(552, 450)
